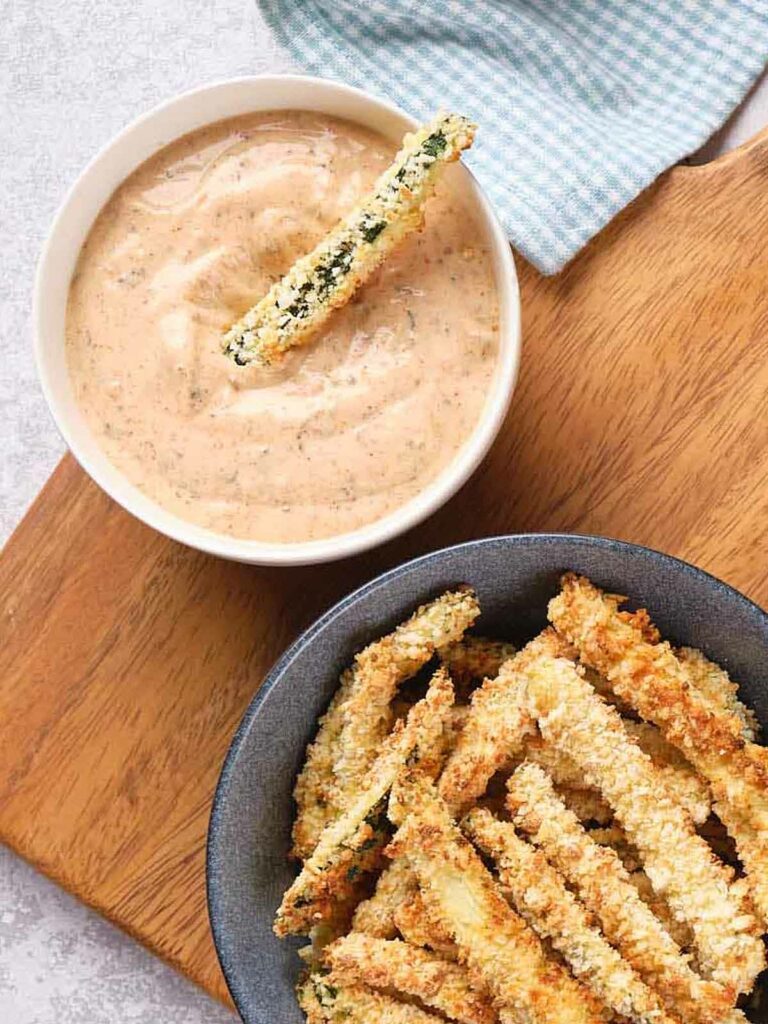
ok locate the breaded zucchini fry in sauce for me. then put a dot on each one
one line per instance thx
(300, 303)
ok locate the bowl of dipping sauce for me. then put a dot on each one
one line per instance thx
(185, 220)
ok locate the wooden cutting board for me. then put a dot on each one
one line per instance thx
(127, 660)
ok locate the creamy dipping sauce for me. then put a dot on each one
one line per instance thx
(346, 429)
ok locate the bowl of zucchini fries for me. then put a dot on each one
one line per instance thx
(517, 780)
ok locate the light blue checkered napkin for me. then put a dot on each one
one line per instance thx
(581, 103)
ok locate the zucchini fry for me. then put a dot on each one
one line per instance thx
(651, 679)
(352, 844)
(355, 1004)
(715, 683)
(458, 721)
(376, 916)
(541, 897)
(299, 304)
(677, 860)
(681, 778)
(380, 669)
(361, 715)
(684, 783)
(393, 964)
(563, 770)
(419, 926)
(603, 687)
(313, 791)
(752, 849)
(495, 730)
(500, 951)
(425, 762)
(607, 890)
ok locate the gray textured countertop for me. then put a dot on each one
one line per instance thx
(72, 74)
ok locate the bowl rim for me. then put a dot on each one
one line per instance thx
(268, 90)
(340, 607)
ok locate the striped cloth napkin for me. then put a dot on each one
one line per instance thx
(580, 103)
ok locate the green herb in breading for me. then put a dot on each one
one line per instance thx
(296, 306)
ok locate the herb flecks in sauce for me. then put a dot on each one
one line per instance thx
(349, 428)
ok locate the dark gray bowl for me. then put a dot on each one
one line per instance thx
(514, 577)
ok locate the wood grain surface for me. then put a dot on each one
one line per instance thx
(127, 660)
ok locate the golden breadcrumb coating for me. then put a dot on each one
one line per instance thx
(300, 303)
(715, 683)
(603, 687)
(563, 770)
(419, 926)
(474, 659)
(323, 1001)
(752, 848)
(393, 964)
(681, 778)
(540, 895)
(361, 713)
(604, 886)
(679, 931)
(309, 1000)
(679, 863)
(425, 761)
(495, 728)
(352, 844)
(650, 678)
(376, 916)
(315, 784)
(498, 948)
(614, 836)
(380, 669)
(586, 804)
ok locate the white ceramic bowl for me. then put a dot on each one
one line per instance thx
(108, 169)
